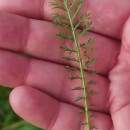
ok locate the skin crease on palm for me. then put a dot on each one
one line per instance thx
(41, 93)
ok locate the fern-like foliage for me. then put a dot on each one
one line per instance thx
(68, 20)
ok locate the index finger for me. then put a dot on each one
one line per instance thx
(109, 17)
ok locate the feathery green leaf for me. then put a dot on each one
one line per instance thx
(82, 111)
(56, 5)
(77, 9)
(92, 82)
(84, 123)
(86, 28)
(90, 62)
(58, 23)
(72, 4)
(75, 20)
(92, 93)
(74, 77)
(80, 98)
(81, 20)
(93, 127)
(64, 36)
(71, 68)
(70, 59)
(91, 73)
(93, 116)
(92, 106)
(88, 43)
(59, 16)
(65, 48)
(77, 88)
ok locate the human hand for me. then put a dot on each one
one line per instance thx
(42, 92)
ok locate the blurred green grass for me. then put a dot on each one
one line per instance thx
(8, 119)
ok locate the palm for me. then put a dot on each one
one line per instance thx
(54, 106)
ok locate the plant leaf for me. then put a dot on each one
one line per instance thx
(79, 98)
(77, 88)
(82, 111)
(92, 115)
(77, 9)
(70, 59)
(72, 10)
(74, 77)
(91, 73)
(86, 28)
(56, 5)
(84, 123)
(59, 16)
(59, 23)
(65, 48)
(90, 62)
(81, 20)
(92, 82)
(64, 36)
(92, 106)
(71, 68)
(72, 4)
(93, 127)
(88, 43)
(92, 93)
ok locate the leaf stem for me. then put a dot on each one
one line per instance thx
(80, 64)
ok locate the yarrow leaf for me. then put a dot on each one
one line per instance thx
(90, 62)
(58, 16)
(93, 115)
(92, 82)
(74, 77)
(80, 98)
(92, 93)
(58, 23)
(86, 28)
(71, 19)
(72, 4)
(65, 48)
(77, 9)
(81, 20)
(88, 43)
(93, 127)
(64, 36)
(70, 58)
(91, 73)
(56, 5)
(72, 68)
(77, 88)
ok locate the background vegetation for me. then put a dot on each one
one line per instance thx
(8, 119)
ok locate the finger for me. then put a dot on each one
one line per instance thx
(36, 107)
(103, 17)
(28, 8)
(28, 36)
(50, 78)
(120, 76)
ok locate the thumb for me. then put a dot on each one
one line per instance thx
(120, 85)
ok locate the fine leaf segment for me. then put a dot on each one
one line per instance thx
(68, 20)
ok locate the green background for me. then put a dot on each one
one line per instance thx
(8, 119)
